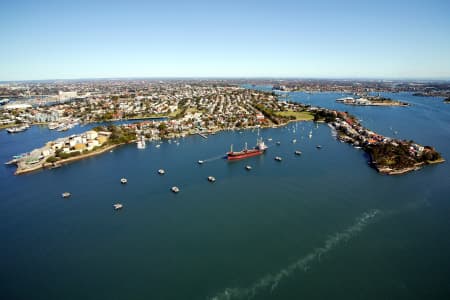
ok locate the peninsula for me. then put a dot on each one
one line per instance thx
(371, 101)
(199, 107)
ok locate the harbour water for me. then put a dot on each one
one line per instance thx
(320, 225)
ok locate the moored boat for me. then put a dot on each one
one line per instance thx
(18, 129)
(118, 206)
(141, 142)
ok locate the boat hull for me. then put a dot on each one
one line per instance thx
(243, 155)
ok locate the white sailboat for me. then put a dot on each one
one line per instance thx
(141, 142)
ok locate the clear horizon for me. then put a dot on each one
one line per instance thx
(50, 40)
(194, 78)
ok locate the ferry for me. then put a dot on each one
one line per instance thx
(18, 129)
(259, 149)
(346, 100)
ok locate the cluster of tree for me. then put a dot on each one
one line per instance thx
(181, 113)
(106, 117)
(399, 156)
(63, 155)
(120, 134)
(324, 115)
(270, 114)
(388, 155)
(430, 154)
(51, 159)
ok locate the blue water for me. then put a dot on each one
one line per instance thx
(317, 226)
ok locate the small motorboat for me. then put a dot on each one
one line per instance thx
(248, 167)
(200, 162)
(175, 189)
(278, 158)
(298, 152)
(118, 206)
(66, 195)
(123, 181)
(161, 172)
(211, 179)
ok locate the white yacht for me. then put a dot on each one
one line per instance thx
(141, 142)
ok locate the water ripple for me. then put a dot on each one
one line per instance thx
(271, 281)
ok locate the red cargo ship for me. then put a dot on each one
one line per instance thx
(258, 150)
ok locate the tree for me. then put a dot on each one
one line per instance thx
(162, 127)
(51, 159)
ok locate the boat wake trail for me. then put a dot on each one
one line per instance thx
(214, 158)
(271, 281)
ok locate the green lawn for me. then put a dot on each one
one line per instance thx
(299, 115)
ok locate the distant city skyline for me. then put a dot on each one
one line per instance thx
(43, 40)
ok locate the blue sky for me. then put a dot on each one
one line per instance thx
(174, 38)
